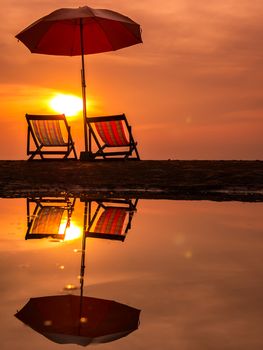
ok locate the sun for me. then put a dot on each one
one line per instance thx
(69, 105)
(73, 232)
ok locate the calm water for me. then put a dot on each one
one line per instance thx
(194, 269)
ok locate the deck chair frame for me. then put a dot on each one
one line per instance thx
(41, 202)
(127, 204)
(41, 149)
(130, 150)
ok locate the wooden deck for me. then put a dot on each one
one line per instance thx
(187, 180)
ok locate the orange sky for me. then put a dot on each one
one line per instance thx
(192, 90)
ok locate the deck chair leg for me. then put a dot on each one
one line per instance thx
(67, 154)
(137, 153)
(37, 152)
(71, 148)
(75, 153)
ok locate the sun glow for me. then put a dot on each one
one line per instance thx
(73, 232)
(69, 105)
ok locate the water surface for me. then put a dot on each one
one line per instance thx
(194, 269)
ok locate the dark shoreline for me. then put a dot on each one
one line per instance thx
(152, 179)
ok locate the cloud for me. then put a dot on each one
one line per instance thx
(199, 61)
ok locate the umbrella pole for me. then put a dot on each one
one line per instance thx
(83, 83)
(83, 247)
(83, 252)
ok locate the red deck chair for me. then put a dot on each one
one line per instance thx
(111, 220)
(110, 133)
(46, 132)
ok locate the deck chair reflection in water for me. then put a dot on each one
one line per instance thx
(50, 217)
(113, 138)
(111, 219)
(50, 135)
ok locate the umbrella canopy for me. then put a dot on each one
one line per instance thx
(80, 31)
(71, 319)
(59, 32)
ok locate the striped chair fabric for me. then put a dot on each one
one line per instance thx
(112, 133)
(48, 220)
(111, 221)
(48, 132)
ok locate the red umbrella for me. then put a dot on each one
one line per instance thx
(71, 319)
(81, 31)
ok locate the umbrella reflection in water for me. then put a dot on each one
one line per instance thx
(78, 319)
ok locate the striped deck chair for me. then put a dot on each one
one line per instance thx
(112, 136)
(46, 132)
(50, 218)
(111, 220)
